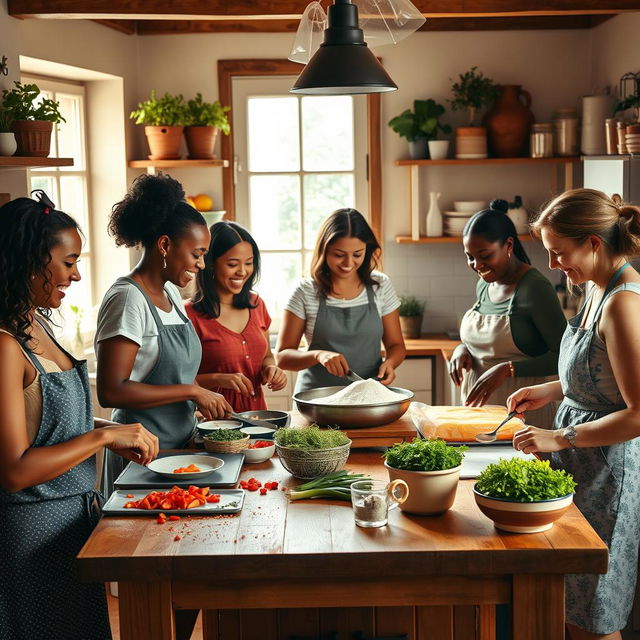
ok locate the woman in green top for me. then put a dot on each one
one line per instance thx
(511, 336)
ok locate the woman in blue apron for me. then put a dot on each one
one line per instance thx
(345, 310)
(590, 236)
(47, 440)
(147, 349)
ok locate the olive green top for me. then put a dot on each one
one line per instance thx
(536, 319)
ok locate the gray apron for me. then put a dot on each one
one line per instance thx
(43, 528)
(355, 332)
(178, 361)
(608, 479)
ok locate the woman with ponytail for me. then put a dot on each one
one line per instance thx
(595, 436)
(511, 336)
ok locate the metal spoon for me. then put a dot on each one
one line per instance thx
(354, 377)
(492, 435)
(254, 422)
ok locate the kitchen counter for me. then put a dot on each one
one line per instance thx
(420, 572)
(431, 344)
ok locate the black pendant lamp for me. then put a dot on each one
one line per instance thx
(343, 65)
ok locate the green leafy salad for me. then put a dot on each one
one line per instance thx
(225, 435)
(310, 438)
(424, 455)
(524, 481)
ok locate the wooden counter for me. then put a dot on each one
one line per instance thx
(418, 571)
(431, 344)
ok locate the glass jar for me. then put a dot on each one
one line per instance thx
(565, 124)
(542, 140)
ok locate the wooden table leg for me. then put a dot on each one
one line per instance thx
(538, 607)
(146, 611)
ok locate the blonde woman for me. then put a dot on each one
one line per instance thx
(590, 236)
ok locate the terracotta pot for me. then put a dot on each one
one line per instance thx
(200, 142)
(33, 137)
(471, 143)
(164, 142)
(411, 326)
(509, 122)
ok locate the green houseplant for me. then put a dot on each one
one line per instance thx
(32, 117)
(471, 92)
(411, 311)
(204, 120)
(164, 118)
(8, 144)
(431, 468)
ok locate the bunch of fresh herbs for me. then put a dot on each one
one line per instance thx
(207, 114)
(524, 481)
(224, 435)
(310, 438)
(336, 486)
(424, 455)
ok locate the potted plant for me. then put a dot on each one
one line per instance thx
(471, 92)
(431, 468)
(630, 102)
(204, 120)
(8, 144)
(164, 120)
(33, 117)
(420, 126)
(410, 311)
(525, 496)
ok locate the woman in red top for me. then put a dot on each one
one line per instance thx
(232, 321)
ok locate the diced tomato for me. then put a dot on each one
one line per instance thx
(274, 485)
(174, 517)
(214, 497)
(129, 495)
(178, 538)
(263, 491)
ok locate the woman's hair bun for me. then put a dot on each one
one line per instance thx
(499, 205)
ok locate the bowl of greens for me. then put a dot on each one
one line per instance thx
(431, 468)
(225, 441)
(523, 496)
(309, 452)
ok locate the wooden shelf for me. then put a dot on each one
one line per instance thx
(174, 164)
(444, 239)
(486, 161)
(27, 162)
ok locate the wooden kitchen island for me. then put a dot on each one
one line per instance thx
(282, 570)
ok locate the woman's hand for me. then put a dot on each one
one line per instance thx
(386, 373)
(274, 377)
(236, 382)
(212, 405)
(335, 363)
(131, 441)
(536, 440)
(460, 361)
(486, 384)
(529, 399)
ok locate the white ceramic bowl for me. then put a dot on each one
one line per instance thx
(214, 425)
(463, 215)
(165, 466)
(259, 433)
(259, 455)
(470, 206)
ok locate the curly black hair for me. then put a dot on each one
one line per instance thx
(28, 232)
(154, 206)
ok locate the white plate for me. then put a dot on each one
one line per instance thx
(469, 206)
(165, 466)
(214, 425)
(458, 214)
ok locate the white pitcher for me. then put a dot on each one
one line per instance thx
(434, 216)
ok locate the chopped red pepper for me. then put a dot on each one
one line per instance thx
(263, 491)
(178, 538)
(174, 518)
(214, 497)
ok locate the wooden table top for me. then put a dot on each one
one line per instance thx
(431, 344)
(273, 537)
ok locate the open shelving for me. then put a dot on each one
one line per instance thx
(28, 162)
(444, 239)
(152, 165)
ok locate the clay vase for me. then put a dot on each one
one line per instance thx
(509, 122)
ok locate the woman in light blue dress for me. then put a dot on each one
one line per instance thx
(590, 236)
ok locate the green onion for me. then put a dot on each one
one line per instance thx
(336, 486)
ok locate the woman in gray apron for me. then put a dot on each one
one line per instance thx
(345, 311)
(595, 437)
(511, 336)
(47, 440)
(147, 349)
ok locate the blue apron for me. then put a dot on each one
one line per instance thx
(43, 528)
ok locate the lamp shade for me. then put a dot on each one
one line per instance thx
(343, 65)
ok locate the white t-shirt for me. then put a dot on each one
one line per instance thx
(305, 301)
(125, 312)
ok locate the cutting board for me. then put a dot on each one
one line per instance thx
(230, 502)
(136, 476)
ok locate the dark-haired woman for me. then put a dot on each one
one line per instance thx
(147, 349)
(232, 321)
(345, 310)
(47, 440)
(511, 336)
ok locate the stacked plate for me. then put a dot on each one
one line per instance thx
(454, 222)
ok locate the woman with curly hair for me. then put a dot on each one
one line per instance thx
(47, 440)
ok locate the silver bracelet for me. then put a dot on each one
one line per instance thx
(570, 434)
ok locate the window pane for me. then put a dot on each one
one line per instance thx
(274, 210)
(70, 132)
(79, 295)
(73, 202)
(53, 150)
(49, 185)
(280, 275)
(273, 134)
(327, 133)
(323, 194)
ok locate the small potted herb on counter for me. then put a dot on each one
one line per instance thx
(431, 468)
(225, 440)
(204, 120)
(525, 496)
(411, 311)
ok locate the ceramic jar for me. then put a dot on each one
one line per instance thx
(565, 124)
(518, 215)
(471, 143)
(509, 121)
(434, 216)
(8, 144)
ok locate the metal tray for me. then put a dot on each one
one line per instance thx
(136, 476)
(231, 501)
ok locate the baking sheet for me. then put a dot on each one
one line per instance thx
(135, 476)
(478, 458)
(231, 501)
